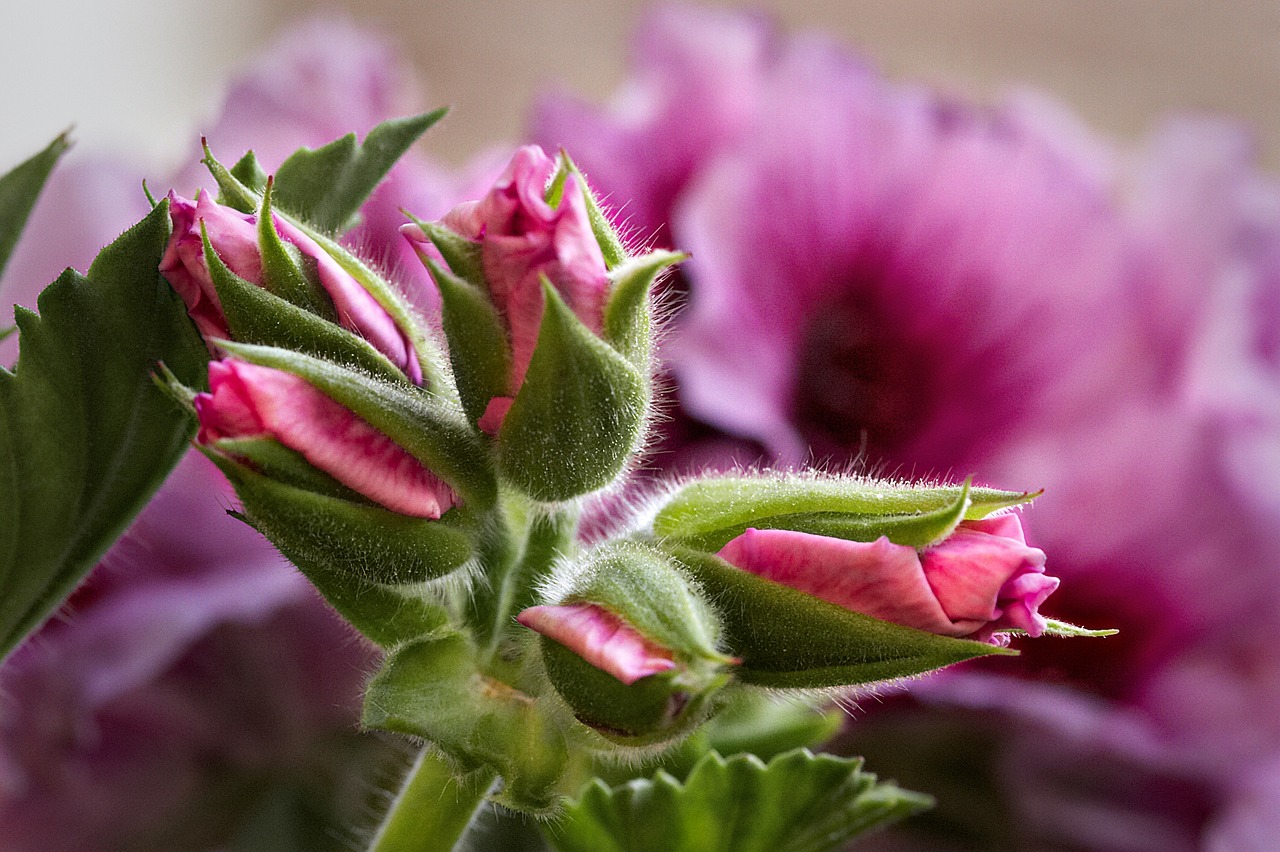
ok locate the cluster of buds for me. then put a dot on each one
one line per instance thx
(429, 488)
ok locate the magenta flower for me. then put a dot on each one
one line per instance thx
(523, 238)
(601, 638)
(980, 580)
(233, 236)
(248, 401)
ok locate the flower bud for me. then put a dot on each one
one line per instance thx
(827, 581)
(283, 259)
(630, 645)
(537, 290)
(248, 401)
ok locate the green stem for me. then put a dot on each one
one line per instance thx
(433, 808)
(514, 575)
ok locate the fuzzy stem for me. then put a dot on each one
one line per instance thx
(548, 536)
(433, 808)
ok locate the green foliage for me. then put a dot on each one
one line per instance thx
(326, 186)
(19, 189)
(577, 418)
(798, 802)
(85, 435)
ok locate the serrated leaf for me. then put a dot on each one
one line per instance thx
(85, 435)
(798, 802)
(19, 189)
(327, 185)
(705, 506)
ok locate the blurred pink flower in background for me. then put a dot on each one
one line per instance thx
(887, 274)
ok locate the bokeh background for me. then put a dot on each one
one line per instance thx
(137, 76)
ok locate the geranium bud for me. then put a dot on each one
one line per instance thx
(235, 238)
(978, 581)
(249, 401)
(629, 645)
(536, 290)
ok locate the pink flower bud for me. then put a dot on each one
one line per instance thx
(248, 401)
(234, 236)
(523, 238)
(980, 580)
(601, 638)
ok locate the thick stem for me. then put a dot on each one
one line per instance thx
(548, 536)
(433, 808)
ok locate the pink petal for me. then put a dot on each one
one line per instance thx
(601, 638)
(246, 400)
(879, 578)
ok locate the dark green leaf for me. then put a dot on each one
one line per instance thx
(19, 189)
(85, 435)
(327, 185)
(798, 802)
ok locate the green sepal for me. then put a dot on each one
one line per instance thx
(257, 316)
(365, 560)
(915, 530)
(627, 314)
(282, 266)
(1072, 631)
(19, 188)
(798, 802)
(249, 172)
(478, 347)
(232, 192)
(615, 253)
(705, 507)
(787, 639)
(577, 418)
(431, 688)
(86, 436)
(429, 429)
(462, 255)
(647, 590)
(7, 330)
(326, 186)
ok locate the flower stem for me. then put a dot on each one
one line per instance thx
(433, 808)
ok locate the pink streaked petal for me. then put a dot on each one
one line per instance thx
(357, 309)
(227, 411)
(879, 578)
(1008, 525)
(335, 440)
(601, 638)
(233, 234)
(968, 571)
(580, 277)
(1020, 600)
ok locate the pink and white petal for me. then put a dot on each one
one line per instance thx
(601, 638)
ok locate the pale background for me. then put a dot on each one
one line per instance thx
(137, 77)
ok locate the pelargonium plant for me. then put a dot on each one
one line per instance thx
(428, 474)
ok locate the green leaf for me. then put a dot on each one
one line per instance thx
(1062, 628)
(708, 506)
(576, 420)
(85, 435)
(248, 171)
(19, 189)
(327, 185)
(798, 802)
(787, 639)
